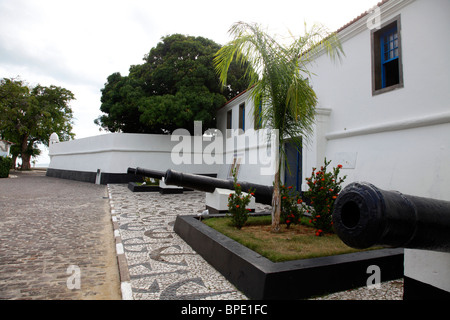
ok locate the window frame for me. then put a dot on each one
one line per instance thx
(378, 76)
(229, 122)
(242, 116)
(383, 42)
(257, 121)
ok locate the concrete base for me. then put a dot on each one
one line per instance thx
(167, 189)
(427, 275)
(133, 186)
(259, 278)
(217, 202)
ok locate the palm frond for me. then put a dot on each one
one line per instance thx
(279, 74)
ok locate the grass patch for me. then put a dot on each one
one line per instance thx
(297, 242)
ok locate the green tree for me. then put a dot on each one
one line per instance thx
(279, 80)
(28, 116)
(175, 86)
(120, 102)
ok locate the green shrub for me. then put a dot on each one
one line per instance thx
(5, 165)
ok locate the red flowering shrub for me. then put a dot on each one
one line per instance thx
(237, 203)
(291, 213)
(324, 187)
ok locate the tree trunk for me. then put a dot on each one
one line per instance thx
(26, 165)
(13, 162)
(26, 157)
(276, 204)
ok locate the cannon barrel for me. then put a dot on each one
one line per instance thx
(146, 173)
(365, 216)
(262, 193)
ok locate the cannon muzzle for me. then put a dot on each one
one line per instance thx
(146, 173)
(365, 216)
(262, 193)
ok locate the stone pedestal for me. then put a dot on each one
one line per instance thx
(167, 189)
(427, 275)
(217, 202)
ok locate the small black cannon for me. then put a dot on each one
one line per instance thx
(146, 173)
(365, 216)
(262, 193)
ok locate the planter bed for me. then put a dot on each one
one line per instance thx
(260, 278)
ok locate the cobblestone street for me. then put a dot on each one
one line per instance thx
(48, 225)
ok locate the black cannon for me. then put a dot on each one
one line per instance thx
(262, 194)
(365, 216)
(146, 173)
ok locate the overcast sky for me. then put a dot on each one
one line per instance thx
(77, 44)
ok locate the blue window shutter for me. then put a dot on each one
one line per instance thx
(389, 51)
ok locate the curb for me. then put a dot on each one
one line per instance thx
(125, 284)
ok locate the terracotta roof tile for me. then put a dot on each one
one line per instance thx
(362, 15)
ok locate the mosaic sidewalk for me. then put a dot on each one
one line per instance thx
(160, 264)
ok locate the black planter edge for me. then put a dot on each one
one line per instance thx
(417, 290)
(260, 278)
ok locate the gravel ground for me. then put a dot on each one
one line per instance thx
(390, 290)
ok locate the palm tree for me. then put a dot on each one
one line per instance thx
(278, 77)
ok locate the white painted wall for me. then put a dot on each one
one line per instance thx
(115, 152)
(252, 147)
(400, 139)
(4, 148)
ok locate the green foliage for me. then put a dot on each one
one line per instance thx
(291, 206)
(120, 103)
(175, 86)
(237, 203)
(29, 115)
(324, 187)
(5, 165)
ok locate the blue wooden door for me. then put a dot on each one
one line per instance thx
(293, 166)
